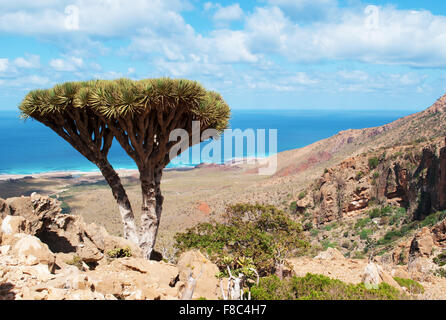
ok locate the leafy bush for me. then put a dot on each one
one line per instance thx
(327, 244)
(361, 223)
(308, 226)
(302, 195)
(359, 175)
(373, 163)
(319, 287)
(293, 206)
(412, 286)
(440, 273)
(393, 235)
(120, 253)
(76, 261)
(440, 259)
(264, 234)
(365, 233)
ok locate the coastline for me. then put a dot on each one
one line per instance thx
(73, 174)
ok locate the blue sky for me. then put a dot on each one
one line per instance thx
(282, 54)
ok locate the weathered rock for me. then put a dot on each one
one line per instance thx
(15, 224)
(421, 268)
(374, 275)
(85, 295)
(330, 254)
(422, 244)
(31, 250)
(39, 272)
(196, 264)
(5, 209)
(106, 242)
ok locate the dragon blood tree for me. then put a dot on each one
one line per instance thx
(140, 115)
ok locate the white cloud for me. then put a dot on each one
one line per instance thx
(4, 63)
(29, 62)
(67, 64)
(229, 13)
(306, 10)
(102, 17)
(414, 38)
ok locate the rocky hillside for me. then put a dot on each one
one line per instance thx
(410, 176)
(376, 199)
(46, 255)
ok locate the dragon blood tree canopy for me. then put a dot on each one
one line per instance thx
(140, 115)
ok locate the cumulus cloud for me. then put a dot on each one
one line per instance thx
(102, 17)
(28, 62)
(229, 13)
(66, 64)
(307, 10)
(4, 63)
(414, 38)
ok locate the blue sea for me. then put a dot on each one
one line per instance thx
(28, 147)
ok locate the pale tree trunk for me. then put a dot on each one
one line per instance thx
(152, 203)
(128, 219)
(149, 212)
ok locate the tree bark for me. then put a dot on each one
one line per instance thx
(152, 202)
(149, 218)
(128, 219)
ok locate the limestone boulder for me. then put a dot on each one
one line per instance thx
(15, 224)
(32, 251)
(421, 268)
(330, 254)
(196, 264)
(5, 209)
(422, 244)
(374, 275)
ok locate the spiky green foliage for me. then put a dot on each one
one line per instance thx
(124, 97)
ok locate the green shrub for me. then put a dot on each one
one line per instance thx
(319, 287)
(365, 233)
(359, 175)
(412, 286)
(293, 206)
(440, 259)
(302, 195)
(308, 226)
(263, 234)
(120, 253)
(373, 163)
(327, 244)
(440, 273)
(361, 223)
(76, 261)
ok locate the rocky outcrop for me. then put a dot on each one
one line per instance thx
(64, 234)
(46, 255)
(412, 177)
(374, 275)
